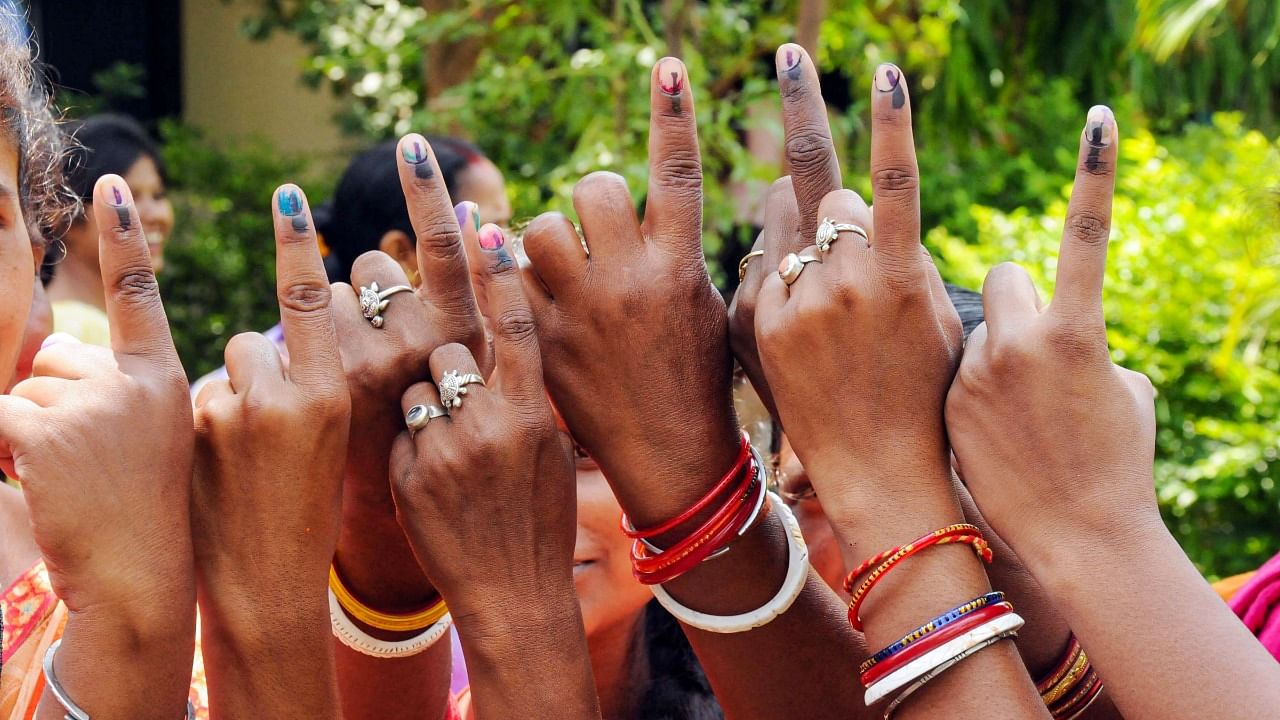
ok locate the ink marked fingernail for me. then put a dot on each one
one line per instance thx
(1099, 128)
(671, 81)
(491, 238)
(289, 201)
(119, 199)
(415, 153)
(461, 212)
(889, 80)
(789, 60)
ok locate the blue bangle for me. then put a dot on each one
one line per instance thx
(937, 623)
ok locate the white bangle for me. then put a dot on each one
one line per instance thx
(941, 656)
(360, 641)
(923, 679)
(797, 574)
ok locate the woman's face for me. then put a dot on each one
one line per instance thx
(17, 265)
(607, 592)
(824, 544)
(154, 208)
(482, 184)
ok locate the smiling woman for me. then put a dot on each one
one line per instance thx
(107, 144)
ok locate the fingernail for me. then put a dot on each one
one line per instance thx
(415, 153)
(461, 212)
(788, 60)
(491, 238)
(58, 338)
(889, 80)
(671, 81)
(1099, 128)
(290, 203)
(120, 198)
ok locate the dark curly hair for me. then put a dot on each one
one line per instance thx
(29, 123)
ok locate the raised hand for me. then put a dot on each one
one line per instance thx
(102, 441)
(266, 501)
(1056, 443)
(859, 343)
(791, 207)
(486, 496)
(636, 356)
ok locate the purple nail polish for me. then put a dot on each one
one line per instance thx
(461, 212)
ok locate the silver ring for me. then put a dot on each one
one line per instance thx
(453, 385)
(373, 301)
(419, 415)
(792, 265)
(829, 232)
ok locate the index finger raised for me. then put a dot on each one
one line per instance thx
(134, 310)
(302, 289)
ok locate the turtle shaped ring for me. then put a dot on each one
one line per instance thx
(373, 301)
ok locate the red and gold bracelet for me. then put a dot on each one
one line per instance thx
(958, 533)
(1072, 685)
(936, 640)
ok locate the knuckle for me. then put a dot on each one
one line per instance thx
(681, 169)
(1071, 339)
(1089, 227)
(137, 285)
(896, 179)
(442, 240)
(305, 297)
(808, 149)
(517, 324)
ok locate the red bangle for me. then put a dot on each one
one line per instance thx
(744, 454)
(959, 533)
(1068, 659)
(935, 640)
(1080, 699)
(728, 522)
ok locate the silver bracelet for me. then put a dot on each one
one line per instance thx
(73, 711)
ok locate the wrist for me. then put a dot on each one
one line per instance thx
(1067, 561)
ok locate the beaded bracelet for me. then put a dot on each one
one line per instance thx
(397, 622)
(964, 625)
(731, 520)
(744, 453)
(1004, 625)
(959, 533)
(937, 623)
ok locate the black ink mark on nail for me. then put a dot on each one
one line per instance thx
(300, 223)
(423, 170)
(899, 97)
(502, 260)
(793, 73)
(675, 104)
(125, 221)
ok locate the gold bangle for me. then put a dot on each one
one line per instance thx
(1068, 681)
(407, 622)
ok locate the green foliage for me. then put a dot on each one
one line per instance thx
(219, 276)
(1192, 300)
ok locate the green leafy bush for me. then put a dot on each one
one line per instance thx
(1192, 299)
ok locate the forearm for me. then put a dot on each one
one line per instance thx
(1165, 643)
(115, 663)
(274, 660)
(528, 658)
(377, 565)
(923, 587)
